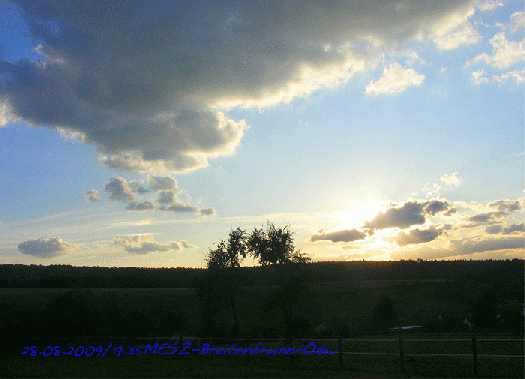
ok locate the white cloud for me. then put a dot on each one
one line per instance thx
(46, 247)
(488, 5)
(505, 53)
(517, 21)
(458, 35)
(478, 77)
(142, 244)
(395, 79)
(517, 75)
(451, 180)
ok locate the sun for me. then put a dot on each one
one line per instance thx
(355, 218)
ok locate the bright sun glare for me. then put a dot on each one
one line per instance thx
(357, 217)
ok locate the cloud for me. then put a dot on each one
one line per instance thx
(119, 189)
(46, 247)
(142, 244)
(478, 77)
(147, 205)
(416, 236)
(171, 203)
(179, 207)
(91, 195)
(503, 209)
(451, 180)
(494, 229)
(505, 53)
(457, 33)
(506, 205)
(187, 245)
(395, 79)
(138, 186)
(450, 212)
(163, 183)
(489, 5)
(434, 207)
(204, 212)
(514, 228)
(408, 214)
(167, 197)
(145, 81)
(478, 245)
(347, 235)
(487, 217)
(517, 75)
(517, 21)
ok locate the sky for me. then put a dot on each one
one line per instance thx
(140, 133)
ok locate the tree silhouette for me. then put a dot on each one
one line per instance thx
(223, 279)
(274, 245)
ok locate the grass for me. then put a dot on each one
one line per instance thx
(318, 366)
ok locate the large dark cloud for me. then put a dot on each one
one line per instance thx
(140, 78)
(347, 235)
(45, 247)
(416, 236)
(408, 214)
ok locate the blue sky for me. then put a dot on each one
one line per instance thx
(139, 135)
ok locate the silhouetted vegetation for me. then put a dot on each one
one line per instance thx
(280, 298)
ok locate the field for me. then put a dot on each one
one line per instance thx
(359, 311)
(297, 365)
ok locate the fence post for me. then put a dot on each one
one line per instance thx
(475, 356)
(340, 347)
(291, 345)
(401, 355)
